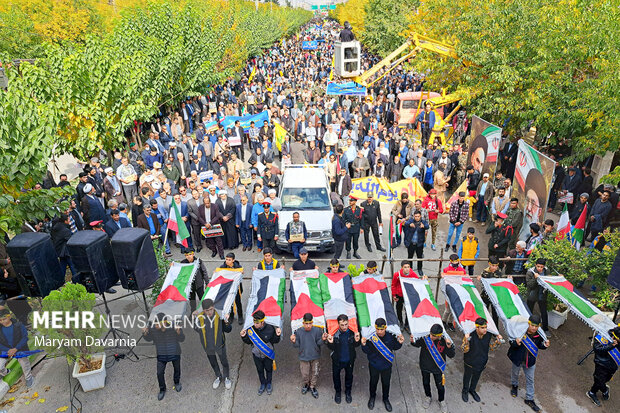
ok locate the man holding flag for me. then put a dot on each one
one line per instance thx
(262, 337)
(433, 352)
(577, 232)
(178, 222)
(380, 357)
(523, 353)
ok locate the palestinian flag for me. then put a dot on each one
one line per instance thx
(564, 291)
(372, 300)
(268, 288)
(337, 296)
(466, 304)
(422, 309)
(504, 295)
(176, 224)
(563, 224)
(223, 288)
(306, 298)
(172, 300)
(577, 232)
(527, 158)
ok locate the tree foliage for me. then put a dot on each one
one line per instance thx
(82, 94)
(552, 64)
(386, 24)
(586, 265)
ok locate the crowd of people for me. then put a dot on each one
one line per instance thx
(224, 184)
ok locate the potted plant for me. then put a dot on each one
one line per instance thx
(557, 312)
(74, 343)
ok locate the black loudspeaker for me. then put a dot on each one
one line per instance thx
(35, 261)
(92, 257)
(136, 263)
(614, 275)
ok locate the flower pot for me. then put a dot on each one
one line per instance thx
(94, 379)
(556, 318)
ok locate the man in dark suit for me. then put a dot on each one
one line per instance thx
(238, 131)
(509, 158)
(182, 207)
(243, 222)
(91, 206)
(115, 223)
(572, 183)
(210, 215)
(148, 221)
(193, 205)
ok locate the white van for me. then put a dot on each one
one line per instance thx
(305, 189)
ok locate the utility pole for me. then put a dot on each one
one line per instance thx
(256, 4)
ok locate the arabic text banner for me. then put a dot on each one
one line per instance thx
(385, 191)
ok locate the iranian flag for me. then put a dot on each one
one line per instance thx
(493, 134)
(223, 288)
(372, 300)
(337, 297)
(306, 298)
(268, 289)
(563, 224)
(564, 291)
(422, 309)
(504, 295)
(578, 230)
(172, 300)
(466, 304)
(527, 158)
(176, 224)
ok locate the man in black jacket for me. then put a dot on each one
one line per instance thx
(378, 366)
(354, 220)
(211, 329)
(340, 232)
(60, 233)
(371, 210)
(270, 336)
(523, 357)
(476, 348)
(604, 365)
(428, 365)
(343, 344)
(167, 341)
(500, 236)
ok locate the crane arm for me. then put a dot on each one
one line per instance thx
(414, 44)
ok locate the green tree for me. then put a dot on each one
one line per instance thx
(386, 24)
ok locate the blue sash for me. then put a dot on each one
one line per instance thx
(529, 345)
(382, 348)
(614, 353)
(432, 348)
(260, 344)
(20, 354)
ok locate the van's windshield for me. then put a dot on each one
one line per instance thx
(304, 199)
(410, 104)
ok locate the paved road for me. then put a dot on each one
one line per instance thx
(132, 385)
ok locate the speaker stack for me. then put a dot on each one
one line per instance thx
(92, 258)
(36, 264)
(135, 259)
